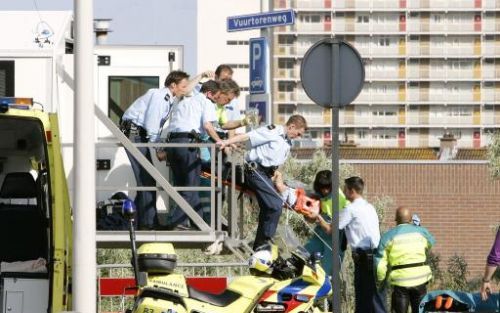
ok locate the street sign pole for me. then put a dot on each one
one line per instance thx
(335, 96)
(332, 75)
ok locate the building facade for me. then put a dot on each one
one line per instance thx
(216, 45)
(432, 67)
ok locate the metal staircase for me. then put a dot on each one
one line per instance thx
(221, 233)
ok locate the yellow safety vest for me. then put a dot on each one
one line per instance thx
(403, 252)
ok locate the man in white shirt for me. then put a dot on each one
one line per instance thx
(360, 222)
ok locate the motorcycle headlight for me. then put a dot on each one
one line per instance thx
(269, 307)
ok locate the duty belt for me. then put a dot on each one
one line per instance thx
(128, 127)
(401, 266)
(268, 170)
(189, 135)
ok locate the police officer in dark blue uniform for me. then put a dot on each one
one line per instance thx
(142, 123)
(270, 147)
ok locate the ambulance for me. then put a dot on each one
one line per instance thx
(35, 212)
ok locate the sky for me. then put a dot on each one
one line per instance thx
(139, 22)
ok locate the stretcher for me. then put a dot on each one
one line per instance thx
(457, 301)
(305, 204)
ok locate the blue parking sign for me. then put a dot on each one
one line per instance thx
(258, 65)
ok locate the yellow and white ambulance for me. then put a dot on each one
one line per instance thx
(35, 212)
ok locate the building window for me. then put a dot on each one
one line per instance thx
(457, 133)
(123, 90)
(436, 18)
(383, 41)
(363, 19)
(459, 111)
(362, 134)
(244, 65)
(6, 78)
(310, 18)
(286, 40)
(286, 109)
(285, 63)
(285, 86)
(237, 42)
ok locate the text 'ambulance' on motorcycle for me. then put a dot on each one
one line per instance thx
(275, 285)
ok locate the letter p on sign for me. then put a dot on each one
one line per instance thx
(256, 53)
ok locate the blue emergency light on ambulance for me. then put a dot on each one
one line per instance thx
(17, 103)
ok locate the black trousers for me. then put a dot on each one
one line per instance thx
(404, 296)
(270, 205)
(186, 167)
(145, 201)
(368, 298)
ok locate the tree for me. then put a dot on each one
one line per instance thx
(494, 155)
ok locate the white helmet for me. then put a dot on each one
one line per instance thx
(261, 261)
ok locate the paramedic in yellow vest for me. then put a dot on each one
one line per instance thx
(402, 251)
(317, 243)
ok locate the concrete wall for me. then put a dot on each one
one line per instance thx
(457, 202)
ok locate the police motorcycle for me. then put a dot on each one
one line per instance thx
(276, 285)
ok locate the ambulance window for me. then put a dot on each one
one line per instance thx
(6, 78)
(123, 90)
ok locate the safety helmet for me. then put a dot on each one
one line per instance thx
(263, 259)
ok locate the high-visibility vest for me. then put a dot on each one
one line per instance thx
(326, 205)
(402, 252)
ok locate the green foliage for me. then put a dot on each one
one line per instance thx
(434, 259)
(306, 171)
(455, 277)
(494, 155)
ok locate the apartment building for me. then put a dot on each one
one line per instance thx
(431, 67)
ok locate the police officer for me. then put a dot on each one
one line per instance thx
(270, 146)
(142, 123)
(190, 118)
(361, 224)
(403, 250)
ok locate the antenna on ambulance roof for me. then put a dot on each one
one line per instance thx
(43, 32)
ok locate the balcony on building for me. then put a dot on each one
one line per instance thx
(490, 92)
(384, 46)
(491, 45)
(491, 69)
(445, 5)
(444, 69)
(383, 69)
(369, 4)
(382, 92)
(426, 22)
(440, 46)
(490, 115)
(444, 92)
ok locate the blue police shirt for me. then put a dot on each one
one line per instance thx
(191, 113)
(233, 110)
(149, 110)
(269, 145)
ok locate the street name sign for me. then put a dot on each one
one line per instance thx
(260, 20)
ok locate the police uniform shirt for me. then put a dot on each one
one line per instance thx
(269, 146)
(233, 110)
(361, 224)
(148, 110)
(191, 113)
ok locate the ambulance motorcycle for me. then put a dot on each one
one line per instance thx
(296, 284)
